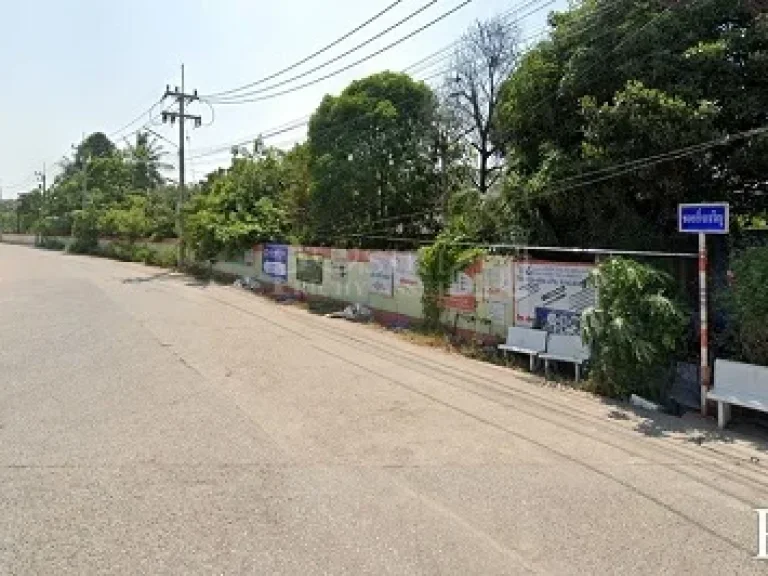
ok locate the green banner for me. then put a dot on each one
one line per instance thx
(309, 269)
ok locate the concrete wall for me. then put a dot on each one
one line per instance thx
(347, 278)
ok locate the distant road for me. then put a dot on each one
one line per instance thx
(152, 424)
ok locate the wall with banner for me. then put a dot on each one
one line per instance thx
(492, 294)
(274, 261)
(552, 296)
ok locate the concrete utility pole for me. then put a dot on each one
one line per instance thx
(182, 98)
(41, 177)
(83, 172)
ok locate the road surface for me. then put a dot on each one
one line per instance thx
(152, 424)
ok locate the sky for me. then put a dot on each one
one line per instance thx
(78, 67)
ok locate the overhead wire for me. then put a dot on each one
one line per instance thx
(349, 66)
(572, 182)
(225, 148)
(335, 58)
(313, 55)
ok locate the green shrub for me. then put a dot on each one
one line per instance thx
(634, 330)
(748, 303)
(51, 244)
(438, 266)
(85, 232)
(163, 257)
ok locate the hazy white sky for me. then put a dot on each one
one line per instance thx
(88, 65)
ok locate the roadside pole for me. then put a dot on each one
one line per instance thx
(182, 98)
(703, 219)
(706, 380)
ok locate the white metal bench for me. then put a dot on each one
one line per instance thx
(525, 341)
(741, 384)
(563, 348)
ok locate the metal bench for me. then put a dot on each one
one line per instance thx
(525, 341)
(741, 384)
(563, 348)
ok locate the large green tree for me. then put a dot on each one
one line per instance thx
(241, 206)
(374, 161)
(620, 80)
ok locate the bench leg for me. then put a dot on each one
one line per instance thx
(723, 414)
(546, 368)
(532, 362)
(578, 372)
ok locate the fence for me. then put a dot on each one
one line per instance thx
(537, 286)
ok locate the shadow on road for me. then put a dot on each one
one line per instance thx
(143, 279)
(692, 427)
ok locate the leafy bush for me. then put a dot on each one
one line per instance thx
(85, 232)
(748, 302)
(51, 244)
(163, 257)
(634, 330)
(438, 266)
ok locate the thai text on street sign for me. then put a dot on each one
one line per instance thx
(709, 218)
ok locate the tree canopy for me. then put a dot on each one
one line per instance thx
(590, 137)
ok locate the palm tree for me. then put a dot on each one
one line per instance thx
(145, 157)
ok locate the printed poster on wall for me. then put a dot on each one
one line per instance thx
(339, 265)
(406, 272)
(497, 279)
(309, 269)
(382, 273)
(497, 313)
(274, 262)
(461, 294)
(552, 296)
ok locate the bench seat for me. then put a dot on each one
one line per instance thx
(525, 341)
(564, 348)
(738, 384)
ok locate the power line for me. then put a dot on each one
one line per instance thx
(311, 56)
(227, 147)
(265, 136)
(335, 58)
(447, 51)
(353, 64)
(631, 166)
(147, 112)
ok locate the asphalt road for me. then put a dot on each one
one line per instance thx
(152, 424)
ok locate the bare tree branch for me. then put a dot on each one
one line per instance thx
(485, 58)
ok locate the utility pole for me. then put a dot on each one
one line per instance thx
(41, 178)
(83, 171)
(183, 99)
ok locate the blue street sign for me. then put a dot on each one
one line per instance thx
(703, 218)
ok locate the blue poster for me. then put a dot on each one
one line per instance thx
(557, 321)
(274, 261)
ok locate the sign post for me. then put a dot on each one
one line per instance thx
(703, 219)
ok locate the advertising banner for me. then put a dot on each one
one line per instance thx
(498, 279)
(406, 272)
(382, 273)
(309, 269)
(461, 294)
(339, 266)
(552, 296)
(275, 262)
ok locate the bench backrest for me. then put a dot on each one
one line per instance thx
(735, 378)
(567, 346)
(527, 338)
